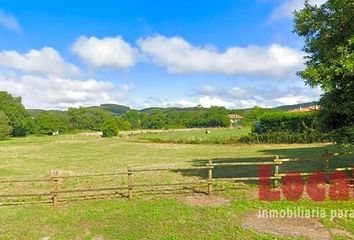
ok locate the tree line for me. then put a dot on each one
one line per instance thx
(16, 121)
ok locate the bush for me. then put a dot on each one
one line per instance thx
(110, 127)
(286, 137)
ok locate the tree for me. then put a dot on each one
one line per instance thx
(89, 118)
(29, 125)
(123, 124)
(5, 128)
(49, 122)
(15, 111)
(134, 118)
(156, 120)
(211, 117)
(110, 127)
(328, 31)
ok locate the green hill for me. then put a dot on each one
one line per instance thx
(115, 108)
(121, 109)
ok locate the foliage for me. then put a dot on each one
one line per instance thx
(156, 120)
(49, 122)
(87, 118)
(344, 137)
(15, 111)
(29, 125)
(289, 122)
(134, 118)
(286, 137)
(252, 116)
(110, 127)
(5, 128)
(212, 117)
(287, 127)
(123, 125)
(328, 31)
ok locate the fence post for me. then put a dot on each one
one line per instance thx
(210, 177)
(326, 157)
(130, 182)
(54, 176)
(276, 170)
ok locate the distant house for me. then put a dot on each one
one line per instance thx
(235, 118)
(306, 109)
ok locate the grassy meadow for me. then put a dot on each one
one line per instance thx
(212, 136)
(152, 216)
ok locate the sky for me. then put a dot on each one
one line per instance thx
(237, 54)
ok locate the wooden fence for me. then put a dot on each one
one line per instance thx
(57, 192)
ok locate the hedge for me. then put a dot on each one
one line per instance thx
(293, 122)
(286, 137)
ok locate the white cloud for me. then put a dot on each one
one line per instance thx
(9, 22)
(58, 93)
(286, 9)
(296, 98)
(239, 97)
(44, 61)
(204, 101)
(237, 92)
(179, 56)
(214, 101)
(267, 96)
(207, 90)
(179, 103)
(128, 87)
(109, 52)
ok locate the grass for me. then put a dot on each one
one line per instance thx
(144, 217)
(36, 156)
(216, 136)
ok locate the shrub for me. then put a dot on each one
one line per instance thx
(110, 127)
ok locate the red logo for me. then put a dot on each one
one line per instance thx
(293, 186)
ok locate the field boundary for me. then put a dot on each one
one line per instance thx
(56, 194)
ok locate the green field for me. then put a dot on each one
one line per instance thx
(153, 216)
(214, 136)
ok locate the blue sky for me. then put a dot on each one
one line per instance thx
(237, 54)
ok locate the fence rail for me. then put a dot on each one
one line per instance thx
(57, 193)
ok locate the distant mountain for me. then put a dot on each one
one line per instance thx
(121, 109)
(170, 109)
(36, 112)
(115, 108)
